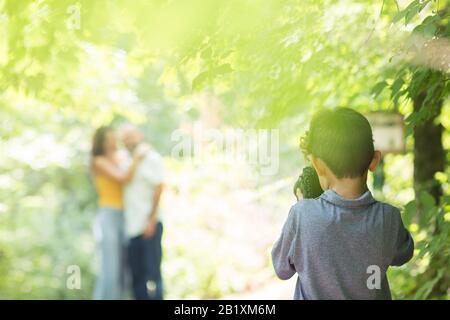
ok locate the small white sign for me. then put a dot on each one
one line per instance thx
(388, 131)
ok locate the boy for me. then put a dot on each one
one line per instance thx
(341, 243)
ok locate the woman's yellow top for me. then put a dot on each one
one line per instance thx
(109, 192)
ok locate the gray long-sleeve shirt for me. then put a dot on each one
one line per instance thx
(341, 248)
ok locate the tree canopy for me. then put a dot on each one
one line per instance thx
(68, 67)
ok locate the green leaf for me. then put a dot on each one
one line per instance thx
(410, 11)
(417, 82)
(425, 290)
(427, 201)
(378, 88)
(410, 210)
(206, 53)
(430, 29)
(209, 75)
(411, 122)
(222, 69)
(199, 80)
(410, 14)
(396, 86)
(400, 15)
(445, 200)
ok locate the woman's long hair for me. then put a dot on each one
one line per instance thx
(98, 142)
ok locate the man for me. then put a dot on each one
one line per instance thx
(143, 227)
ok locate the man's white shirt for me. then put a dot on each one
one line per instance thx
(139, 191)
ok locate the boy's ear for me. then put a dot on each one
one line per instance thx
(375, 160)
(318, 165)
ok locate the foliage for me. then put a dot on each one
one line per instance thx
(427, 274)
(427, 73)
(162, 64)
(424, 82)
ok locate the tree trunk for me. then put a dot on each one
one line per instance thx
(429, 156)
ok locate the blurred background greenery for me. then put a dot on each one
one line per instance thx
(69, 66)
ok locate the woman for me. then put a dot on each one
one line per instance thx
(109, 179)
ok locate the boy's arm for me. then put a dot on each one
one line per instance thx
(404, 249)
(282, 250)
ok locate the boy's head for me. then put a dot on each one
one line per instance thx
(340, 140)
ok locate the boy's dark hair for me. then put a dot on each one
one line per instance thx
(342, 138)
(308, 184)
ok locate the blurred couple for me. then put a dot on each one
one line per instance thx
(128, 229)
